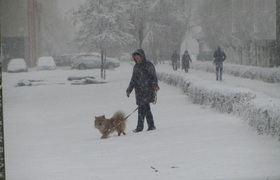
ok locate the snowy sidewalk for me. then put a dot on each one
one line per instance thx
(257, 102)
(262, 89)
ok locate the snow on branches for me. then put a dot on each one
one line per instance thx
(104, 24)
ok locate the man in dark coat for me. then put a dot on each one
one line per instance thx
(175, 58)
(219, 58)
(144, 81)
(186, 59)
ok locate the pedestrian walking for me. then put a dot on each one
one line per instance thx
(219, 57)
(186, 59)
(175, 59)
(145, 83)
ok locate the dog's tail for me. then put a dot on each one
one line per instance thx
(119, 115)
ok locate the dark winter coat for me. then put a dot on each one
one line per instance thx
(175, 57)
(219, 56)
(186, 59)
(144, 80)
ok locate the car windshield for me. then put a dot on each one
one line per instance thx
(46, 61)
(17, 62)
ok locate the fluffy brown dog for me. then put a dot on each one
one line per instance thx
(107, 126)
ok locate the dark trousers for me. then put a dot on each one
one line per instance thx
(219, 71)
(144, 111)
(174, 65)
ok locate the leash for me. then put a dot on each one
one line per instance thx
(124, 119)
(155, 101)
(131, 113)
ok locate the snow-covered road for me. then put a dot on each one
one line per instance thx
(49, 133)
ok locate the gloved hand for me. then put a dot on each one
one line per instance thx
(214, 61)
(127, 94)
(156, 88)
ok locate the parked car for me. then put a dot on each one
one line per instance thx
(46, 63)
(17, 65)
(63, 59)
(126, 57)
(89, 61)
(205, 56)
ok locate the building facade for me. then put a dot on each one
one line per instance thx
(22, 24)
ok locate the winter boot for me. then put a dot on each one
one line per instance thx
(136, 130)
(151, 128)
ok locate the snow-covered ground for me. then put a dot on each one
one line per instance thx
(255, 101)
(49, 132)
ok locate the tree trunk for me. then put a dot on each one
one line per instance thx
(140, 36)
(277, 61)
(103, 63)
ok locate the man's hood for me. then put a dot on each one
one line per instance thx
(141, 53)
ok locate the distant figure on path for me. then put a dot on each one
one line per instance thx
(186, 59)
(175, 58)
(219, 58)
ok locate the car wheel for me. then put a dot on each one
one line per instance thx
(82, 67)
(110, 66)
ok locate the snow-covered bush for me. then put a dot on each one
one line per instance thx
(224, 100)
(264, 116)
(270, 75)
(216, 96)
(24, 82)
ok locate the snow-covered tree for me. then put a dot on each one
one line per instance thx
(154, 24)
(160, 24)
(216, 22)
(103, 25)
(245, 27)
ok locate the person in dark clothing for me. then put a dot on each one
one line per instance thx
(219, 58)
(175, 58)
(186, 59)
(145, 82)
